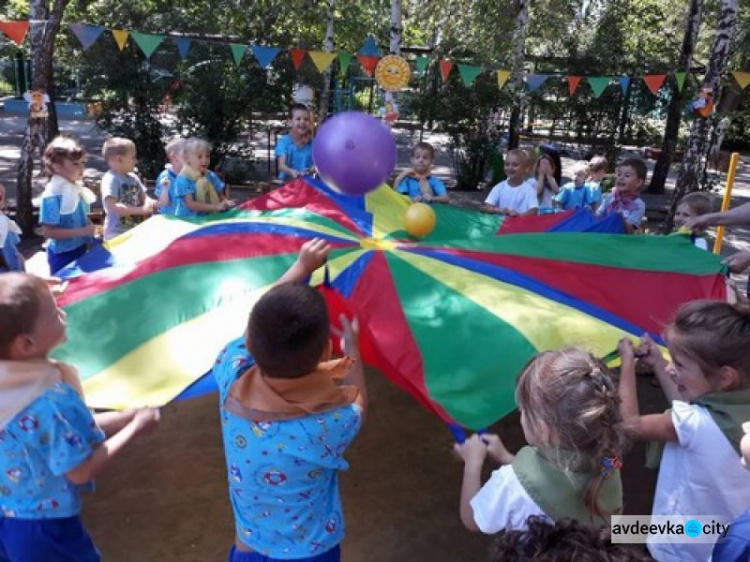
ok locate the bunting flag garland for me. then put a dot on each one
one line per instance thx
(598, 84)
(573, 82)
(148, 42)
(86, 34)
(534, 81)
(121, 37)
(624, 84)
(742, 78)
(344, 60)
(322, 59)
(265, 55)
(469, 73)
(237, 52)
(297, 55)
(15, 30)
(370, 48)
(654, 82)
(421, 63)
(368, 63)
(183, 46)
(680, 79)
(445, 68)
(502, 78)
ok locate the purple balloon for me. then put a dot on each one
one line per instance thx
(354, 153)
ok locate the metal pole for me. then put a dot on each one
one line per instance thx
(727, 198)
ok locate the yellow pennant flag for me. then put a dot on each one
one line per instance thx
(743, 78)
(502, 78)
(322, 59)
(121, 37)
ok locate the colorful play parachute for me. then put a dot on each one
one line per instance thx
(451, 318)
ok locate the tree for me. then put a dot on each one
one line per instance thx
(516, 73)
(325, 93)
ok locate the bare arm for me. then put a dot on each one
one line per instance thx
(191, 203)
(350, 346)
(286, 169)
(473, 452)
(738, 215)
(112, 422)
(312, 255)
(111, 205)
(57, 233)
(534, 211)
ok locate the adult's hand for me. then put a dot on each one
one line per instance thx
(739, 262)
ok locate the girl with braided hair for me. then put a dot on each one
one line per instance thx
(570, 469)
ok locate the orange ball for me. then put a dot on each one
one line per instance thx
(419, 220)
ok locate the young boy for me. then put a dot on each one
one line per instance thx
(10, 235)
(625, 198)
(513, 196)
(598, 167)
(575, 194)
(294, 151)
(286, 423)
(123, 195)
(417, 182)
(167, 177)
(693, 205)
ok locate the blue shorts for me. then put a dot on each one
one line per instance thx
(45, 540)
(58, 261)
(333, 555)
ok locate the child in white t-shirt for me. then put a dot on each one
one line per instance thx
(514, 196)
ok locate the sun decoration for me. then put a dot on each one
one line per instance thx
(392, 73)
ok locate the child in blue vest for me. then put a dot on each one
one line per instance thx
(197, 190)
(294, 151)
(575, 194)
(10, 235)
(417, 182)
(168, 176)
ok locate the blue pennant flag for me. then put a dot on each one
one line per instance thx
(264, 54)
(370, 48)
(86, 34)
(534, 81)
(183, 45)
(624, 83)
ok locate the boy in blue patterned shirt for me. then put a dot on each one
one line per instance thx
(286, 423)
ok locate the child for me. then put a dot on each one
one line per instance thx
(546, 184)
(65, 204)
(575, 194)
(294, 151)
(10, 235)
(197, 190)
(693, 205)
(707, 384)
(167, 177)
(286, 423)
(123, 195)
(513, 196)
(624, 199)
(570, 418)
(417, 182)
(51, 447)
(598, 168)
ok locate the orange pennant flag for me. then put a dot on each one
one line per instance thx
(502, 78)
(121, 37)
(445, 68)
(322, 59)
(654, 82)
(297, 56)
(573, 82)
(743, 78)
(15, 30)
(368, 62)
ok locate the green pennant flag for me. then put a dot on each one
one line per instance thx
(344, 60)
(237, 52)
(146, 41)
(421, 63)
(469, 73)
(680, 77)
(598, 84)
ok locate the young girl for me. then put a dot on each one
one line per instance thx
(571, 420)
(708, 385)
(197, 190)
(51, 447)
(513, 196)
(10, 235)
(65, 204)
(546, 185)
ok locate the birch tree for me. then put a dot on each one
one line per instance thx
(328, 45)
(516, 71)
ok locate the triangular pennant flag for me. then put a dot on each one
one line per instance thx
(743, 78)
(368, 63)
(370, 48)
(86, 34)
(321, 59)
(534, 81)
(121, 37)
(680, 78)
(344, 60)
(573, 82)
(445, 68)
(502, 78)
(297, 56)
(264, 54)
(598, 84)
(15, 30)
(624, 83)
(237, 52)
(183, 46)
(469, 73)
(421, 63)
(654, 82)
(146, 41)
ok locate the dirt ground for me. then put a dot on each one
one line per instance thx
(166, 498)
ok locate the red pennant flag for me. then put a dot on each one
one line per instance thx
(573, 82)
(445, 68)
(297, 56)
(16, 30)
(654, 82)
(368, 63)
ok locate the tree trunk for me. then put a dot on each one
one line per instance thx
(325, 93)
(516, 72)
(41, 41)
(677, 101)
(395, 45)
(697, 144)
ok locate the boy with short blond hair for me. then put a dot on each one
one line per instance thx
(417, 182)
(167, 177)
(575, 194)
